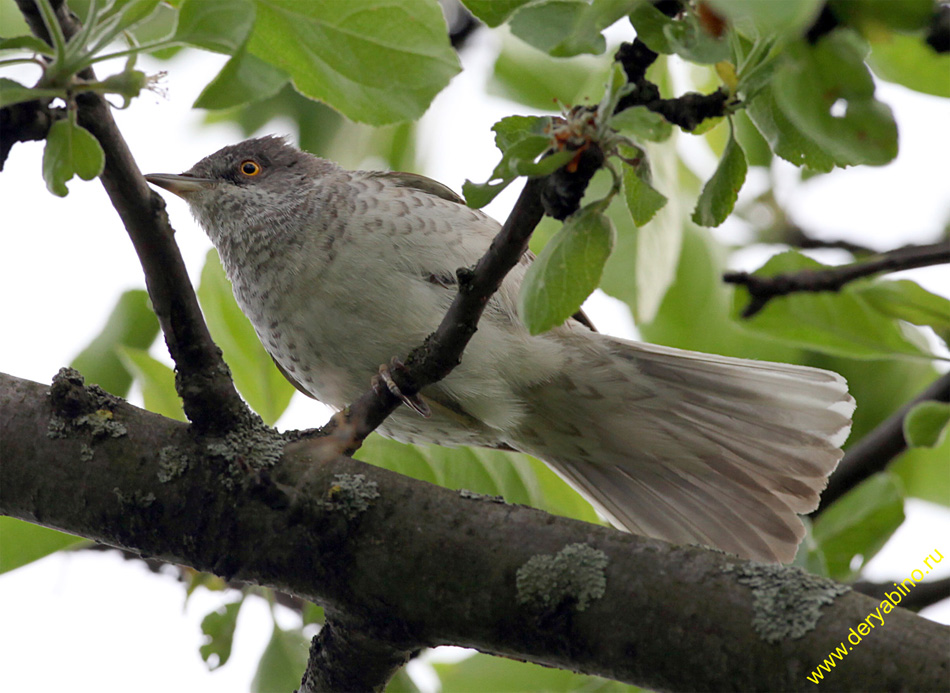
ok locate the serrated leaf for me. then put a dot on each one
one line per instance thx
(375, 64)
(215, 25)
(28, 43)
(827, 91)
(255, 375)
(925, 426)
(132, 323)
(218, 629)
(567, 270)
(121, 17)
(785, 138)
(842, 323)
(245, 78)
(283, 662)
(157, 381)
(908, 61)
(643, 201)
(859, 523)
(907, 300)
(24, 542)
(685, 36)
(720, 193)
(494, 12)
(70, 150)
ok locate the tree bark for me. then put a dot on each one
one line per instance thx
(421, 565)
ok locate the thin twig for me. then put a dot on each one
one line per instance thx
(202, 378)
(923, 594)
(764, 289)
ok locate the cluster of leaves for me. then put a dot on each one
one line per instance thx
(806, 98)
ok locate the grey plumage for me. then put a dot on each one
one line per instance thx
(340, 270)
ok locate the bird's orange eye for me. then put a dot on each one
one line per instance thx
(250, 168)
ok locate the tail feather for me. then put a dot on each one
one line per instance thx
(689, 447)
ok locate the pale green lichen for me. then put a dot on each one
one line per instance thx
(786, 601)
(136, 498)
(248, 449)
(86, 452)
(350, 494)
(575, 575)
(172, 463)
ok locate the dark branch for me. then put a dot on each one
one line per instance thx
(475, 577)
(878, 448)
(923, 595)
(202, 378)
(763, 289)
(443, 348)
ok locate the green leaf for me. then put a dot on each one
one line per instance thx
(643, 201)
(859, 523)
(244, 79)
(642, 123)
(132, 323)
(533, 78)
(720, 193)
(785, 138)
(685, 36)
(218, 629)
(786, 18)
(70, 150)
(906, 15)
(926, 472)
(12, 92)
(494, 12)
(157, 381)
(376, 64)
(483, 672)
(122, 16)
(568, 269)
(564, 28)
(255, 375)
(925, 426)
(827, 92)
(515, 477)
(29, 43)
(283, 662)
(24, 542)
(907, 60)
(215, 25)
(843, 323)
(907, 300)
(521, 140)
(401, 682)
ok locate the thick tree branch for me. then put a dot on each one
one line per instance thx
(764, 289)
(416, 566)
(202, 378)
(878, 448)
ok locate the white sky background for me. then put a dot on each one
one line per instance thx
(81, 620)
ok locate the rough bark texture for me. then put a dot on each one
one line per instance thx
(420, 565)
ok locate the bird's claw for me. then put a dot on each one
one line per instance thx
(385, 377)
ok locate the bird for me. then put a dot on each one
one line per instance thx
(339, 271)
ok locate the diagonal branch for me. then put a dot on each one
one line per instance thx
(764, 289)
(202, 378)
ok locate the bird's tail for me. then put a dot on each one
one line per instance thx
(690, 447)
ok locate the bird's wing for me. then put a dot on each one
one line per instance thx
(417, 182)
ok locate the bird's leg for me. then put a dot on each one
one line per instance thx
(385, 378)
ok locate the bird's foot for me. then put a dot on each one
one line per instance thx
(385, 378)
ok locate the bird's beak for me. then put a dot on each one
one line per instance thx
(183, 185)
